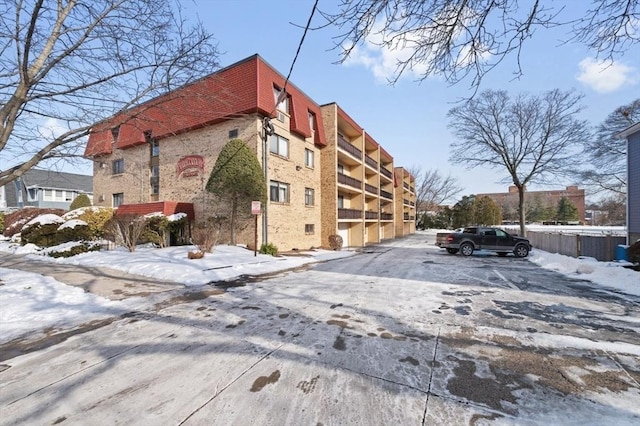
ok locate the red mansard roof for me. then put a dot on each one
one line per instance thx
(242, 88)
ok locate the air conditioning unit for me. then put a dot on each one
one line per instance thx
(281, 116)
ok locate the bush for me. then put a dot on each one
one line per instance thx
(79, 249)
(156, 230)
(14, 222)
(81, 200)
(73, 230)
(269, 249)
(125, 230)
(335, 242)
(41, 230)
(95, 217)
(633, 252)
(205, 237)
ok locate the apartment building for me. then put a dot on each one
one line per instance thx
(322, 170)
(357, 182)
(405, 202)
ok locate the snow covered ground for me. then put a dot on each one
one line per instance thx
(33, 302)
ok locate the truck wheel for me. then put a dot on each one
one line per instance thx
(452, 251)
(521, 250)
(466, 249)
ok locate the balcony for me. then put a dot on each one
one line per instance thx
(370, 215)
(386, 216)
(371, 162)
(349, 181)
(385, 194)
(408, 217)
(349, 214)
(351, 149)
(371, 189)
(386, 172)
(405, 186)
(406, 202)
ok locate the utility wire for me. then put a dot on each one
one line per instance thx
(283, 93)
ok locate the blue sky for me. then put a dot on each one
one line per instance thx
(409, 118)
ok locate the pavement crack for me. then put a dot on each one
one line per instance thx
(433, 367)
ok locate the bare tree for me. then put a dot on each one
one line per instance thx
(433, 188)
(457, 38)
(532, 138)
(68, 64)
(607, 153)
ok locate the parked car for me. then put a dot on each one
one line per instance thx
(483, 238)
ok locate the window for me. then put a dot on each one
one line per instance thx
(309, 197)
(309, 228)
(155, 147)
(233, 134)
(312, 122)
(118, 199)
(114, 132)
(308, 158)
(283, 105)
(340, 169)
(48, 195)
(155, 180)
(118, 166)
(279, 145)
(279, 192)
(69, 196)
(59, 195)
(32, 194)
(341, 201)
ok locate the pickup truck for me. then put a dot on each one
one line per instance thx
(483, 238)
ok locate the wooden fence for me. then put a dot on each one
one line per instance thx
(601, 247)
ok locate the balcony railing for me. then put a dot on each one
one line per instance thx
(349, 214)
(412, 189)
(406, 201)
(386, 172)
(386, 216)
(370, 161)
(348, 180)
(405, 185)
(385, 194)
(412, 204)
(370, 215)
(351, 149)
(370, 188)
(408, 217)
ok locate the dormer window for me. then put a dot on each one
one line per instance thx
(283, 105)
(114, 132)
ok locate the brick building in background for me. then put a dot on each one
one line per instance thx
(325, 175)
(508, 201)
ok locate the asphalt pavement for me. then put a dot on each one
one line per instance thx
(401, 334)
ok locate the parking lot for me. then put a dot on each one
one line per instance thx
(403, 333)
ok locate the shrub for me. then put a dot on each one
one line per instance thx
(79, 249)
(41, 230)
(125, 230)
(2, 221)
(81, 200)
(269, 248)
(73, 230)
(205, 237)
(14, 222)
(633, 252)
(335, 242)
(156, 230)
(95, 217)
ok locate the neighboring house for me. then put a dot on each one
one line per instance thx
(325, 175)
(45, 189)
(508, 201)
(632, 134)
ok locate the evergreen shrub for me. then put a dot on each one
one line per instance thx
(269, 248)
(81, 200)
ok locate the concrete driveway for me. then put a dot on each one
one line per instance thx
(401, 334)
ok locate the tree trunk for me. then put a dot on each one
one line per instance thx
(521, 212)
(234, 208)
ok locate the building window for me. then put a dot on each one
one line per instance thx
(114, 132)
(118, 199)
(308, 158)
(32, 194)
(341, 201)
(312, 122)
(118, 166)
(279, 145)
(48, 195)
(233, 134)
(340, 169)
(155, 180)
(279, 192)
(69, 196)
(309, 228)
(155, 147)
(283, 105)
(309, 197)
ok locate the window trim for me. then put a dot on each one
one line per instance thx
(279, 186)
(278, 139)
(117, 195)
(115, 170)
(309, 193)
(308, 151)
(312, 230)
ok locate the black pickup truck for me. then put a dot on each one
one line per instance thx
(483, 238)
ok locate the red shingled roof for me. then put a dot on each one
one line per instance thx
(242, 88)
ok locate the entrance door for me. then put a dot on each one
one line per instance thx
(343, 231)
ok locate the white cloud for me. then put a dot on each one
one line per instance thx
(605, 76)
